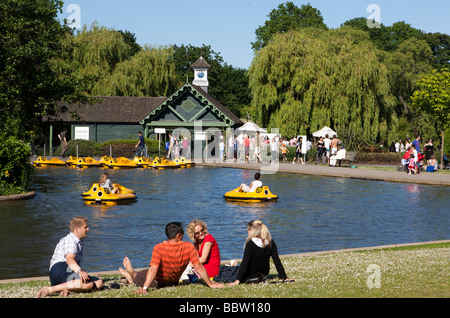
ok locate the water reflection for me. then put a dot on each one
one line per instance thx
(313, 213)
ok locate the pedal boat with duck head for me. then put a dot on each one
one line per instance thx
(261, 194)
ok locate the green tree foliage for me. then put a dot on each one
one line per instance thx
(433, 97)
(408, 53)
(233, 89)
(440, 46)
(16, 170)
(96, 52)
(306, 79)
(148, 73)
(405, 66)
(227, 84)
(30, 81)
(287, 16)
(387, 38)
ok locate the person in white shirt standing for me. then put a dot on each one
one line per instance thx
(327, 143)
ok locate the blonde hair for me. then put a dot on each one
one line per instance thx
(77, 222)
(103, 178)
(259, 230)
(191, 228)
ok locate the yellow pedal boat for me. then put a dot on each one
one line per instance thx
(103, 160)
(98, 194)
(83, 162)
(162, 163)
(142, 161)
(182, 162)
(44, 162)
(72, 160)
(189, 163)
(261, 194)
(119, 163)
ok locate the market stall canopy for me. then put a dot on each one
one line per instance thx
(251, 127)
(325, 131)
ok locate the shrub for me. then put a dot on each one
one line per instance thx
(120, 148)
(16, 171)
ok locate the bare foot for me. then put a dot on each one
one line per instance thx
(43, 292)
(64, 293)
(127, 265)
(126, 275)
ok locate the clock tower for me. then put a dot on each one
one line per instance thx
(201, 68)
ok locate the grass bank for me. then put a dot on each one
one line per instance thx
(420, 271)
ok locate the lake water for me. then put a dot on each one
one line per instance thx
(313, 213)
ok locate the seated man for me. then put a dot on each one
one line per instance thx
(338, 156)
(169, 260)
(66, 274)
(252, 187)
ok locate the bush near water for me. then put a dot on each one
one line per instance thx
(16, 171)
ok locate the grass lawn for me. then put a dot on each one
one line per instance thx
(420, 271)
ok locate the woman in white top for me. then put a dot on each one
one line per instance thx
(252, 187)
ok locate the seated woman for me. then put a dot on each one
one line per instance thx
(259, 248)
(206, 245)
(252, 187)
(104, 182)
(433, 163)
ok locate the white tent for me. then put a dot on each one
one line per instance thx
(251, 127)
(325, 131)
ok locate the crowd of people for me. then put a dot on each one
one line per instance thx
(170, 259)
(414, 155)
(250, 148)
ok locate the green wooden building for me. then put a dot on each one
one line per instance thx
(190, 111)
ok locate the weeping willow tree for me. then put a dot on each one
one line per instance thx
(148, 73)
(96, 52)
(303, 80)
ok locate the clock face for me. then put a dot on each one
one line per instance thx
(201, 74)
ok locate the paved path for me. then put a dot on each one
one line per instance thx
(430, 178)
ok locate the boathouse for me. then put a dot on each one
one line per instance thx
(190, 111)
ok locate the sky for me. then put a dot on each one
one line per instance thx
(228, 26)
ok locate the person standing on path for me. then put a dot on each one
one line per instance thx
(171, 142)
(327, 143)
(320, 150)
(334, 145)
(63, 139)
(416, 143)
(140, 145)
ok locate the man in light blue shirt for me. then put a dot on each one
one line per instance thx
(66, 274)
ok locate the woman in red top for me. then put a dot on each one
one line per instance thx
(247, 148)
(206, 245)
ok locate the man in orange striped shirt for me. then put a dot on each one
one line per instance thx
(169, 260)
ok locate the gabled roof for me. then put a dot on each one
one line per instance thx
(111, 110)
(219, 109)
(122, 109)
(218, 105)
